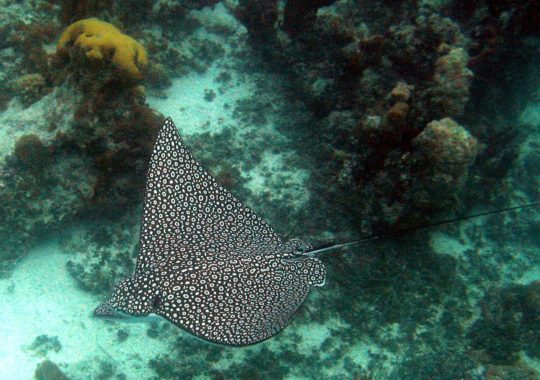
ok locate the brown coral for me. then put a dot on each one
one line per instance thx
(401, 92)
(398, 112)
(300, 15)
(452, 80)
(449, 146)
(30, 88)
(30, 152)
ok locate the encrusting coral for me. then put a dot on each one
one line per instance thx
(452, 79)
(446, 150)
(31, 153)
(103, 42)
(30, 88)
(449, 146)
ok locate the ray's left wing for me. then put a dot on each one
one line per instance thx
(185, 207)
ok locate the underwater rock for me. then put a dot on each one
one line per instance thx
(48, 370)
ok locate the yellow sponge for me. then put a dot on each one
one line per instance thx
(104, 42)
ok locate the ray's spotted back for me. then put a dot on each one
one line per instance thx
(207, 262)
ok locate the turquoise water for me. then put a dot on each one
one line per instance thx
(333, 124)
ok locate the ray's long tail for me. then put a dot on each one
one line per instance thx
(330, 247)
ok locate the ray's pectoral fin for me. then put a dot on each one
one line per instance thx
(311, 270)
(135, 295)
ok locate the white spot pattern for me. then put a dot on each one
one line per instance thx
(207, 262)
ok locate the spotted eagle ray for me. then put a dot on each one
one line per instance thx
(207, 262)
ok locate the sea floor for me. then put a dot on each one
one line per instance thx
(41, 298)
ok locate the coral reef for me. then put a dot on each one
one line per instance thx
(102, 42)
(48, 370)
(299, 15)
(393, 77)
(31, 153)
(41, 184)
(30, 88)
(508, 325)
(87, 166)
(88, 154)
(259, 18)
(103, 256)
(73, 10)
(507, 372)
(44, 343)
(448, 146)
(452, 80)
